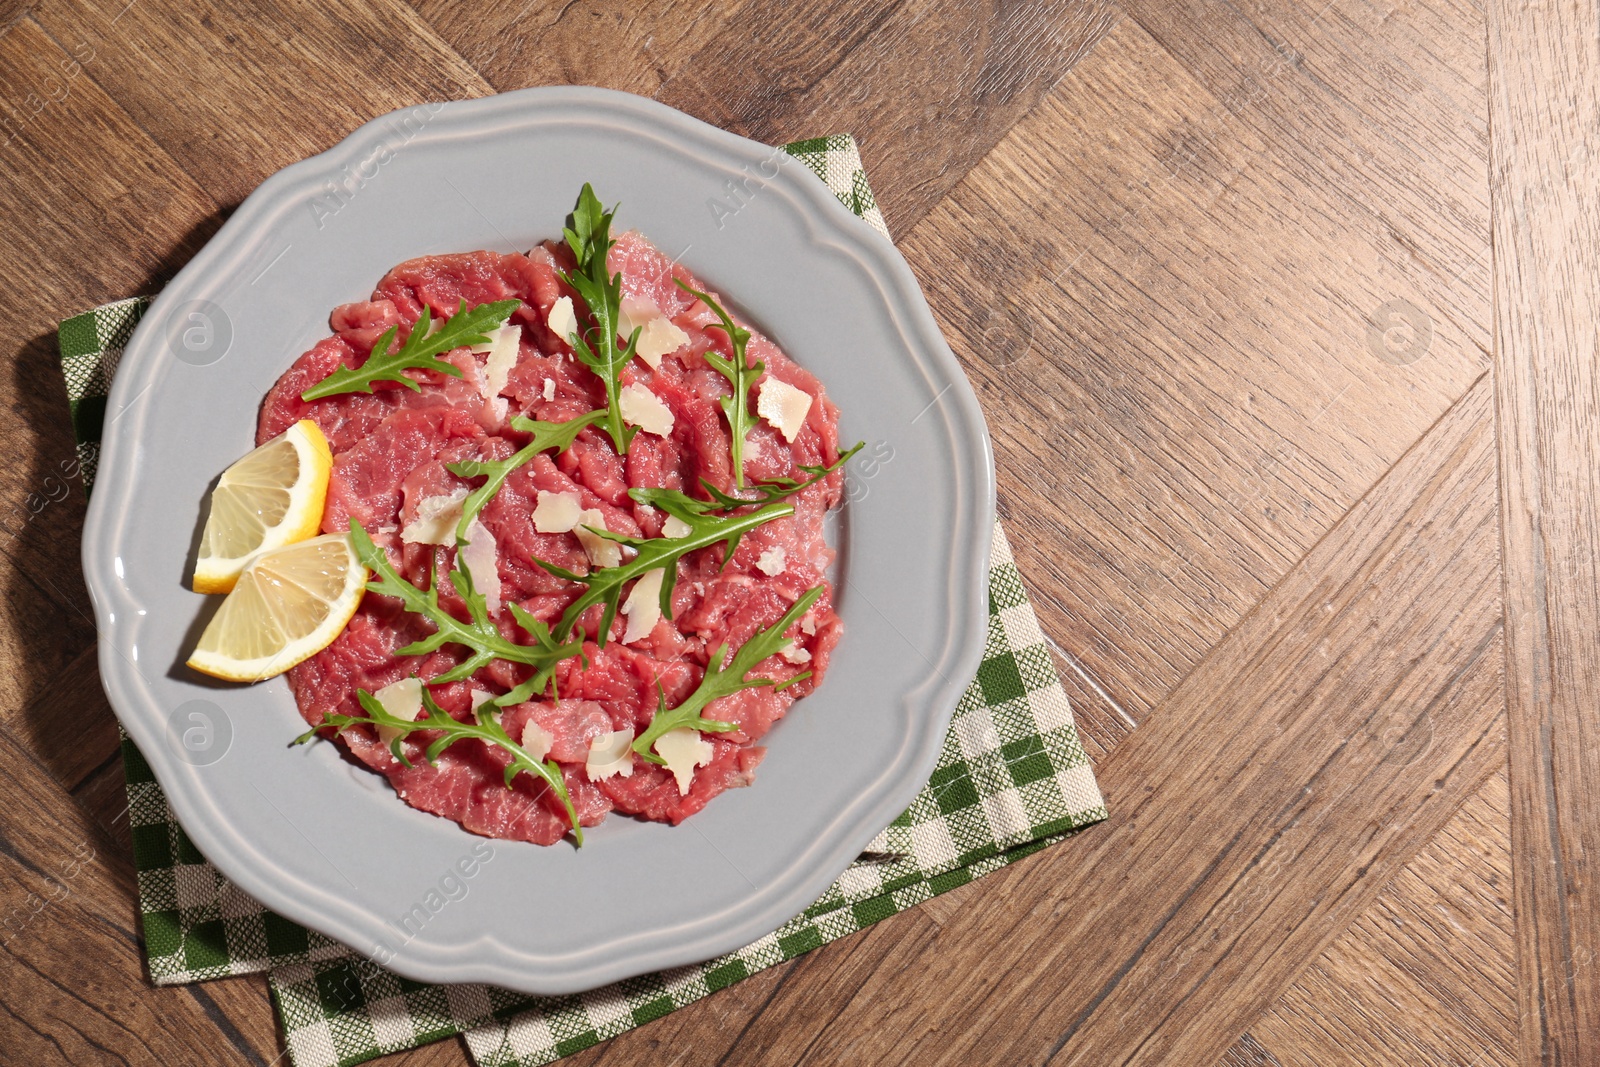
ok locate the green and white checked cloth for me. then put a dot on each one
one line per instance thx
(1012, 778)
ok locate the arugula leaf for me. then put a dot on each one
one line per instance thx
(771, 489)
(546, 435)
(720, 681)
(480, 634)
(740, 375)
(589, 237)
(487, 729)
(605, 583)
(420, 352)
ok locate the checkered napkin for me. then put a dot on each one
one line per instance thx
(1011, 779)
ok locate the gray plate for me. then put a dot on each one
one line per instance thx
(328, 845)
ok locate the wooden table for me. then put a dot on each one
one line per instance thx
(1284, 320)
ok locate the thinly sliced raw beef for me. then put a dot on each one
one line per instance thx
(391, 448)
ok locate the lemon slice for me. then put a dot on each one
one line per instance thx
(270, 498)
(288, 605)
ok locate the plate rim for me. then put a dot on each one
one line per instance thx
(482, 959)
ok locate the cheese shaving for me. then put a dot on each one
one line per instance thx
(537, 740)
(643, 606)
(503, 347)
(549, 389)
(675, 527)
(601, 552)
(610, 753)
(642, 408)
(479, 557)
(556, 512)
(684, 750)
(403, 700)
(562, 320)
(660, 337)
(782, 405)
(795, 655)
(435, 523)
(772, 561)
(634, 313)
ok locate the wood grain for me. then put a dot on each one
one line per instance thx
(71, 960)
(1162, 236)
(1547, 304)
(262, 85)
(515, 44)
(1427, 974)
(1173, 358)
(835, 71)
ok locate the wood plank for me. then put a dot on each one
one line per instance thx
(1174, 360)
(514, 44)
(1383, 103)
(1547, 305)
(59, 215)
(842, 68)
(1427, 975)
(249, 106)
(765, 1021)
(1369, 689)
(70, 956)
(69, 727)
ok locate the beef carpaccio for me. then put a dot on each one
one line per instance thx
(391, 448)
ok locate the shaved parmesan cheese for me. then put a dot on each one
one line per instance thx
(502, 348)
(783, 405)
(660, 337)
(403, 700)
(808, 625)
(479, 556)
(537, 740)
(795, 655)
(436, 520)
(610, 754)
(643, 606)
(480, 698)
(549, 389)
(634, 313)
(642, 408)
(684, 750)
(556, 512)
(772, 561)
(562, 320)
(675, 527)
(601, 552)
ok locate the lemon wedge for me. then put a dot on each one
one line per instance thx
(289, 604)
(272, 497)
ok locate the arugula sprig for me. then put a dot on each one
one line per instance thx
(740, 374)
(479, 633)
(589, 237)
(486, 728)
(721, 681)
(420, 352)
(546, 435)
(769, 490)
(605, 583)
